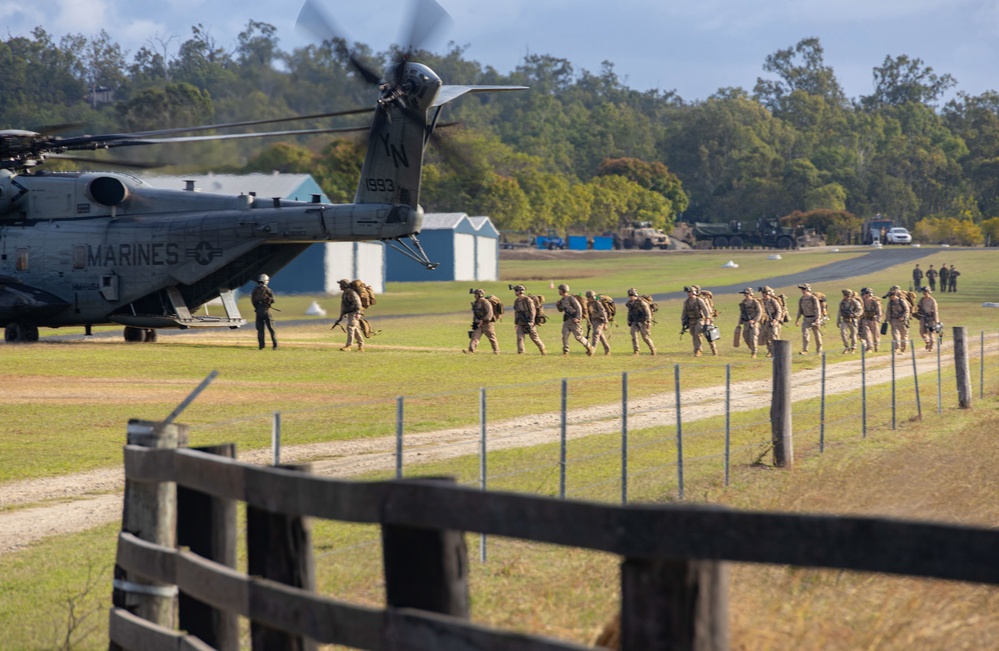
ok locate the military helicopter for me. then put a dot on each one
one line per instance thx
(102, 248)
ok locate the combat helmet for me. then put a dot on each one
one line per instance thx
(563, 288)
(263, 279)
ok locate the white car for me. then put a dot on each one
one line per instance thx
(898, 235)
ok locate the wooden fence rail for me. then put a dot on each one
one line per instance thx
(673, 573)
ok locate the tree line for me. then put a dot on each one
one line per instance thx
(580, 151)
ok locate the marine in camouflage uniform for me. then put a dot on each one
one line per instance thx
(773, 319)
(898, 312)
(483, 323)
(696, 316)
(262, 299)
(944, 274)
(870, 320)
(848, 320)
(931, 278)
(524, 320)
(928, 317)
(598, 322)
(351, 308)
(750, 314)
(572, 315)
(639, 321)
(810, 309)
(917, 277)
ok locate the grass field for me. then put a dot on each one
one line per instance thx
(66, 404)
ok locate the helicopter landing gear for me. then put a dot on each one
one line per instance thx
(18, 332)
(139, 335)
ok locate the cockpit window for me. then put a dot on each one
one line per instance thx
(21, 260)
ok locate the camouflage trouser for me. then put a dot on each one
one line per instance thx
(870, 333)
(598, 334)
(530, 331)
(848, 332)
(573, 328)
(643, 330)
(926, 332)
(696, 330)
(809, 327)
(264, 321)
(489, 330)
(354, 330)
(768, 333)
(751, 335)
(899, 333)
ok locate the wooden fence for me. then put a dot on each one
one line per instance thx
(673, 571)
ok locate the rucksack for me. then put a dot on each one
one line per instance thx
(539, 309)
(609, 306)
(364, 291)
(709, 298)
(822, 303)
(784, 316)
(653, 306)
(913, 301)
(497, 306)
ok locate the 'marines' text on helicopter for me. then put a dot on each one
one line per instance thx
(96, 248)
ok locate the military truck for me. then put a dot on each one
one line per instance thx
(641, 235)
(764, 232)
(870, 232)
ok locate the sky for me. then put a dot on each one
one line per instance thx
(694, 48)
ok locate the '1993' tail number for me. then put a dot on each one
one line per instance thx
(380, 185)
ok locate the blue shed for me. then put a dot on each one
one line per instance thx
(465, 248)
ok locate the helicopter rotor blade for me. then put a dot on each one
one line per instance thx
(425, 19)
(314, 20)
(133, 142)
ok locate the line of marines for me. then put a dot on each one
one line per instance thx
(861, 319)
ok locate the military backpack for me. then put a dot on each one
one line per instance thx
(365, 292)
(609, 306)
(497, 306)
(539, 309)
(709, 299)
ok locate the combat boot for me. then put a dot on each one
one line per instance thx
(653, 352)
(753, 356)
(635, 353)
(697, 353)
(345, 349)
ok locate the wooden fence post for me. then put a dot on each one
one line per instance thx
(780, 405)
(674, 604)
(207, 525)
(150, 513)
(426, 569)
(962, 367)
(279, 548)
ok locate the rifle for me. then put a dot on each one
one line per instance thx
(336, 323)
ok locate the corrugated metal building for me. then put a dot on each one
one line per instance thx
(467, 248)
(322, 265)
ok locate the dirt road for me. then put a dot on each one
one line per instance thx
(32, 510)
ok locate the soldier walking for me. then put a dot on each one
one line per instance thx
(262, 299)
(696, 316)
(898, 311)
(870, 322)
(351, 308)
(848, 320)
(598, 322)
(917, 277)
(952, 275)
(928, 317)
(931, 278)
(525, 320)
(639, 321)
(944, 275)
(773, 319)
(750, 313)
(810, 308)
(572, 314)
(483, 320)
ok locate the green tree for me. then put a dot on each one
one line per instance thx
(801, 68)
(903, 80)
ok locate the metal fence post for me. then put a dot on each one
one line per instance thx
(981, 366)
(679, 431)
(939, 378)
(276, 439)
(399, 419)
(893, 386)
(863, 392)
(624, 438)
(822, 409)
(562, 439)
(915, 378)
(728, 420)
(483, 476)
